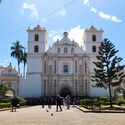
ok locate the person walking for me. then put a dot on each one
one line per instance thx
(49, 101)
(14, 103)
(59, 101)
(68, 101)
(43, 100)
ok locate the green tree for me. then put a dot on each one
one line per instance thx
(3, 90)
(24, 61)
(16, 52)
(108, 72)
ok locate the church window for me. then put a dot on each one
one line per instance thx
(80, 68)
(65, 69)
(93, 37)
(72, 50)
(75, 66)
(55, 87)
(44, 87)
(58, 50)
(55, 66)
(45, 67)
(36, 48)
(93, 48)
(36, 37)
(85, 67)
(65, 50)
(50, 69)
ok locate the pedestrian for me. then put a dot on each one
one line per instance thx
(59, 101)
(14, 103)
(43, 100)
(68, 101)
(74, 101)
(49, 101)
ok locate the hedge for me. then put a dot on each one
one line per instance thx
(120, 101)
(5, 105)
(85, 102)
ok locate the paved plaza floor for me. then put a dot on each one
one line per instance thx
(39, 116)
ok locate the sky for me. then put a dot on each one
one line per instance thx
(57, 16)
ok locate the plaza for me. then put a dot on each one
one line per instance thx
(39, 116)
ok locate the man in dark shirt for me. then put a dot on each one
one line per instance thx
(58, 102)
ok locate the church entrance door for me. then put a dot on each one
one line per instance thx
(64, 92)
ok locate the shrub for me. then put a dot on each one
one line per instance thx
(21, 100)
(103, 100)
(120, 101)
(85, 102)
(5, 105)
(82, 102)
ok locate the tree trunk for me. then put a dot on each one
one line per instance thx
(24, 71)
(18, 67)
(110, 96)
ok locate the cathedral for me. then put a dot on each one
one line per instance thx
(65, 68)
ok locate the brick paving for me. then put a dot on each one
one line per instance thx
(39, 116)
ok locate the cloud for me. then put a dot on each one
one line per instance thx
(115, 19)
(86, 2)
(109, 17)
(104, 15)
(77, 38)
(62, 12)
(93, 9)
(59, 36)
(100, 13)
(5, 63)
(32, 8)
(54, 35)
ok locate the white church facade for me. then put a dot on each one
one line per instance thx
(65, 68)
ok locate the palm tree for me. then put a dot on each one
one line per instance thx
(24, 61)
(17, 50)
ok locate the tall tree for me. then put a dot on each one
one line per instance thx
(24, 61)
(3, 90)
(108, 72)
(16, 52)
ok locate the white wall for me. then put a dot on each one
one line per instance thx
(95, 91)
(31, 86)
(34, 65)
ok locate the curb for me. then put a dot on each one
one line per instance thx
(89, 111)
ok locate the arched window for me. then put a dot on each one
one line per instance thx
(36, 37)
(65, 50)
(75, 66)
(72, 50)
(93, 37)
(85, 67)
(36, 48)
(50, 69)
(55, 67)
(65, 68)
(58, 50)
(93, 48)
(45, 67)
